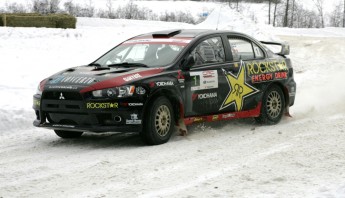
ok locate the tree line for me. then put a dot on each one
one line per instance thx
(291, 13)
(281, 13)
(128, 11)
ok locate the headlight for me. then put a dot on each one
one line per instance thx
(116, 92)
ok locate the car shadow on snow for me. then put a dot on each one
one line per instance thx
(104, 140)
(120, 140)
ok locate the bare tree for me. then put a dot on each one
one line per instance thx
(269, 11)
(286, 20)
(45, 6)
(344, 15)
(319, 6)
(292, 14)
(336, 16)
(110, 11)
(275, 12)
(236, 2)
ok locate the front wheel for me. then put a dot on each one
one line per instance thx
(273, 103)
(159, 122)
(68, 134)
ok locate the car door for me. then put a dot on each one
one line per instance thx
(202, 81)
(242, 94)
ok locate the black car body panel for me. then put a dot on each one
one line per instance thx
(226, 79)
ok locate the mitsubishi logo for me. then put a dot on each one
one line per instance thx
(61, 97)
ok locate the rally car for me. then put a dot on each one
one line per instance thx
(154, 82)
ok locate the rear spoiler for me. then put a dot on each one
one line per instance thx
(285, 47)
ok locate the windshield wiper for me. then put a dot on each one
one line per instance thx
(127, 64)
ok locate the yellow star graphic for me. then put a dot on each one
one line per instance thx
(239, 89)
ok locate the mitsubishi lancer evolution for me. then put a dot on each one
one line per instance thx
(153, 82)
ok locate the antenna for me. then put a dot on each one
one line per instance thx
(220, 7)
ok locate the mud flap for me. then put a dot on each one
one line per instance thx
(287, 112)
(182, 129)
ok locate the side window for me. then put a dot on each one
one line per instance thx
(209, 51)
(241, 49)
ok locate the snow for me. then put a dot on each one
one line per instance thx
(302, 156)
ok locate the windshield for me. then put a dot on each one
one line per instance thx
(152, 52)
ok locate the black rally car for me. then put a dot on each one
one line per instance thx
(152, 82)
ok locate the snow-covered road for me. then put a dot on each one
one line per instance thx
(303, 156)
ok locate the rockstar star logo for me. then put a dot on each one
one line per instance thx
(239, 89)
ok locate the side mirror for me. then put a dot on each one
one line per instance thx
(187, 63)
(285, 49)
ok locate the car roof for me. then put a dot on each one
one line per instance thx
(185, 33)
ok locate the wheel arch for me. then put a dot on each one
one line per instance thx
(172, 96)
(284, 90)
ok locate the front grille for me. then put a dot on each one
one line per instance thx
(57, 95)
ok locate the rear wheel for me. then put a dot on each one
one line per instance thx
(159, 122)
(68, 134)
(273, 103)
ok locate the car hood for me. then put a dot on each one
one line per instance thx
(89, 78)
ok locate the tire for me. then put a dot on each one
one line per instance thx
(159, 123)
(68, 134)
(273, 105)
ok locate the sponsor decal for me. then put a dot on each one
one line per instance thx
(180, 77)
(209, 73)
(204, 80)
(167, 83)
(215, 117)
(170, 41)
(140, 90)
(132, 77)
(63, 125)
(135, 104)
(267, 70)
(207, 95)
(102, 105)
(198, 119)
(134, 119)
(229, 115)
(239, 89)
(73, 79)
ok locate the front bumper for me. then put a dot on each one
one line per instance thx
(87, 115)
(95, 129)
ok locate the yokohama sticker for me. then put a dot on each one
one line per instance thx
(167, 83)
(204, 80)
(207, 95)
(135, 104)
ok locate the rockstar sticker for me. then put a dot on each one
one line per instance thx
(239, 89)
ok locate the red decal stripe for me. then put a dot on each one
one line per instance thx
(225, 116)
(120, 80)
(167, 43)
